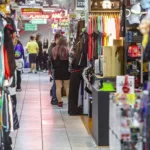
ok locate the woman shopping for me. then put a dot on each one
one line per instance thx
(19, 57)
(60, 63)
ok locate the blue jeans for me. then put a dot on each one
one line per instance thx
(54, 90)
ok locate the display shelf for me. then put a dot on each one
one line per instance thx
(133, 36)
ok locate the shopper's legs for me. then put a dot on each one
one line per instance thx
(58, 89)
(37, 63)
(40, 62)
(30, 61)
(34, 61)
(66, 86)
(54, 91)
(18, 79)
(34, 67)
(45, 58)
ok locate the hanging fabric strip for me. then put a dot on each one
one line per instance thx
(10, 114)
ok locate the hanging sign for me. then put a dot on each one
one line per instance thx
(38, 21)
(80, 4)
(39, 17)
(48, 16)
(30, 27)
(30, 11)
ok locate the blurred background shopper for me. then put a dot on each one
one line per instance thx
(19, 58)
(32, 49)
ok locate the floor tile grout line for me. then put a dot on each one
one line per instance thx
(41, 111)
(21, 110)
(66, 130)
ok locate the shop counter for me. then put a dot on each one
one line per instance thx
(100, 116)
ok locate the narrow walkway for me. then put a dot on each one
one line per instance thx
(44, 127)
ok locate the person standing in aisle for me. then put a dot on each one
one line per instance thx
(54, 100)
(19, 58)
(60, 63)
(45, 54)
(39, 59)
(32, 48)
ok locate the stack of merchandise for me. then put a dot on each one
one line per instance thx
(127, 125)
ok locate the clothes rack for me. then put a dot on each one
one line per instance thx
(8, 115)
(103, 29)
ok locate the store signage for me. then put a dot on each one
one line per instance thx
(48, 16)
(30, 11)
(80, 3)
(57, 16)
(38, 16)
(120, 84)
(30, 27)
(38, 21)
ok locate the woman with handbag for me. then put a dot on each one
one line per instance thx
(19, 57)
(60, 63)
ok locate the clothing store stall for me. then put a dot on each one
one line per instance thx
(106, 55)
(8, 115)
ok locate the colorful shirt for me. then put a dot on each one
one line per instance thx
(19, 51)
(32, 47)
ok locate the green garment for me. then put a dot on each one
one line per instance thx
(99, 28)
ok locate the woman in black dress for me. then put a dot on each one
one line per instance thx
(60, 63)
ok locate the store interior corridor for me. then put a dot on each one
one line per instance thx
(43, 126)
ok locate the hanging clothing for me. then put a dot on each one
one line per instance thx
(122, 20)
(90, 40)
(78, 58)
(14, 109)
(9, 51)
(74, 92)
(102, 31)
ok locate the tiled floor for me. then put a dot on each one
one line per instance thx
(44, 127)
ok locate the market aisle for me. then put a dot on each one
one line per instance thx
(43, 127)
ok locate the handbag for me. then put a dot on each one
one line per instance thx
(19, 64)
